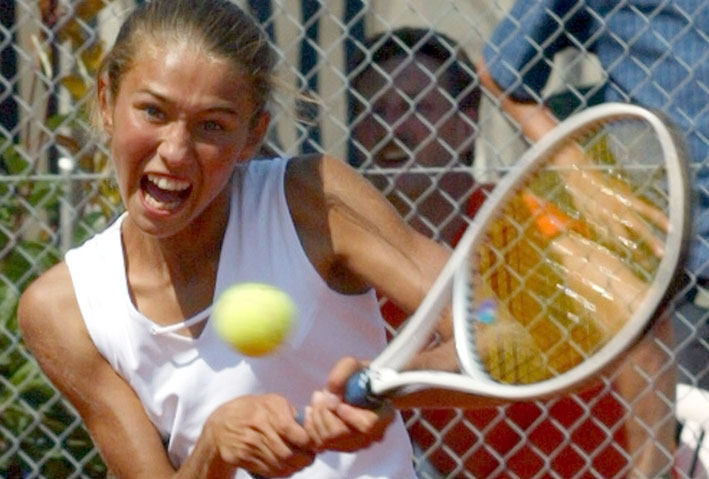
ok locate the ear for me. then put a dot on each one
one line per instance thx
(466, 129)
(471, 113)
(466, 123)
(105, 103)
(256, 134)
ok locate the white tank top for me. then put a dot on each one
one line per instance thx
(182, 380)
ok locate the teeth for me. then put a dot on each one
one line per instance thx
(394, 156)
(392, 153)
(168, 184)
(159, 204)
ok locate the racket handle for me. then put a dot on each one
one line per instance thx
(358, 391)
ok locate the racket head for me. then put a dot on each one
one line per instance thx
(557, 283)
(459, 283)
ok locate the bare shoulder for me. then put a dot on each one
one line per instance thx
(51, 322)
(303, 183)
(328, 175)
(319, 175)
(53, 328)
(354, 236)
(326, 184)
(40, 302)
(310, 194)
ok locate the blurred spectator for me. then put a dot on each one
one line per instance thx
(415, 104)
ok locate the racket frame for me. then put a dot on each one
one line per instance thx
(384, 373)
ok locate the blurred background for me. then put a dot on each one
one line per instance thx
(56, 190)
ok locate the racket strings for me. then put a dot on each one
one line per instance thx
(570, 255)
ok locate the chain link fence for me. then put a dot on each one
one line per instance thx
(56, 190)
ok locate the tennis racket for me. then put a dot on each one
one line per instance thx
(562, 270)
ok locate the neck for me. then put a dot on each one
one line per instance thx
(185, 254)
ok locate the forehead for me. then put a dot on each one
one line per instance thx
(186, 72)
(174, 57)
(402, 73)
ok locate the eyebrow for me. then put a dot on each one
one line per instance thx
(216, 108)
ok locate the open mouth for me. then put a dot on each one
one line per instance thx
(165, 193)
(392, 155)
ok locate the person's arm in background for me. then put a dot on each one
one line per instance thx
(646, 381)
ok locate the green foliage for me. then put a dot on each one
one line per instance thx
(38, 430)
(40, 434)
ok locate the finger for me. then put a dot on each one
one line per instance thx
(281, 458)
(619, 229)
(366, 421)
(313, 431)
(630, 222)
(622, 197)
(654, 215)
(258, 454)
(297, 461)
(284, 437)
(324, 419)
(282, 419)
(634, 214)
(275, 450)
(620, 215)
(294, 463)
(331, 427)
(341, 372)
(617, 202)
(627, 199)
(311, 423)
(295, 434)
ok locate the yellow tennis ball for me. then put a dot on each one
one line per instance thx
(255, 318)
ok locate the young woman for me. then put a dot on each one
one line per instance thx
(122, 325)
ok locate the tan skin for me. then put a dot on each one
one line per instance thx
(182, 115)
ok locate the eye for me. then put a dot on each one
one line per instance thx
(153, 112)
(211, 125)
(424, 107)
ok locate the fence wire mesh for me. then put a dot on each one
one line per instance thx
(56, 190)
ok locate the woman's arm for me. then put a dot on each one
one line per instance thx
(357, 240)
(53, 329)
(267, 440)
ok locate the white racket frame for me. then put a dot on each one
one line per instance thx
(385, 371)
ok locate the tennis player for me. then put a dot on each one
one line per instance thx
(121, 326)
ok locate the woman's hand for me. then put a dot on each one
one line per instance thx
(336, 425)
(259, 434)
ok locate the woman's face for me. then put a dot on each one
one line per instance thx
(180, 123)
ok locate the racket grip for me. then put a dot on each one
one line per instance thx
(358, 391)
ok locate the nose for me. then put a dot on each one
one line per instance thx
(176, 144)
(409, 129)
